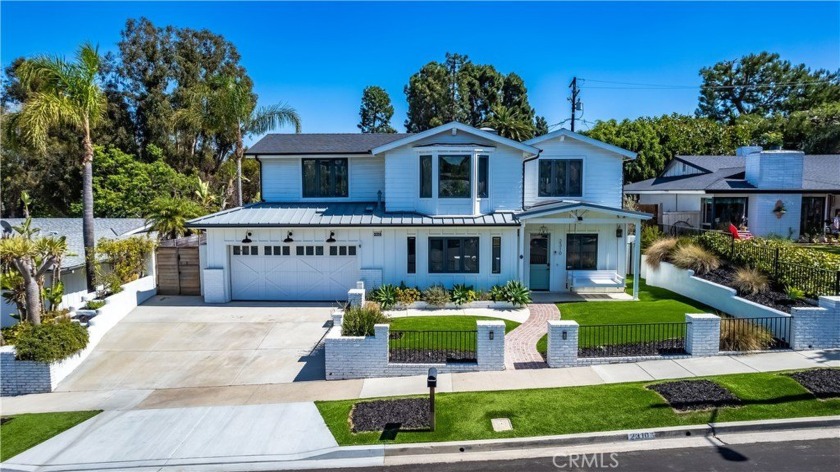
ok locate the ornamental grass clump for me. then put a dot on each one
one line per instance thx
(693, 257)
(360, 320)
(436, 295)
(748, 280)
(660, 251)
(742, 335)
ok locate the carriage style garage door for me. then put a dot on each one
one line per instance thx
(305, 272)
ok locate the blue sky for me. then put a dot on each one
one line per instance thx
(319, 56)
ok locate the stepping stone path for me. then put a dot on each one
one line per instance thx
(521, 343)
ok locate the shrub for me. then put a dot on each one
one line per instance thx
(651, 234)
(436, 295)
(407, 295)
(749, 280)
(691, 256)
(94, 304)
(744, 336)
(127, 256)
(497, 293)
(517, 293)
(385, 295)
(794, 293)
(359, 321)
(50, 342)
(483, 295)
(463, 294)
(660, 251)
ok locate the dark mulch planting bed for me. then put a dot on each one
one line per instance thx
(430, 356)
(823, 383)
(773, 297)
(379, 415)
(656, 348)
(689, 395)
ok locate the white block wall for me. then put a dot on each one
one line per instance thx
(702, 337)
(817, 327)
(215, 288)
(562, 352)
(358, 357)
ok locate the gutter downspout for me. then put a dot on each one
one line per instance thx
(520, 233)
(523, 176)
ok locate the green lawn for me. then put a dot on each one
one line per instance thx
(20, 432)
(440, 323)
(655, 305)
(540, 412)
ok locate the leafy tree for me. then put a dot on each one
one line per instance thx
(815, 131)
(64, 93)
(540, 126)
(168, 216)
(763, 84)
(509, 124)
(376, 111)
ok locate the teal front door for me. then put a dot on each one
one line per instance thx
(539, 262)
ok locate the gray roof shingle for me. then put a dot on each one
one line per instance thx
(322, 143)
(72, 229)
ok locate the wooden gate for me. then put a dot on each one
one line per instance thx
(177, 270)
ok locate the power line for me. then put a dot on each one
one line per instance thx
(644, 86)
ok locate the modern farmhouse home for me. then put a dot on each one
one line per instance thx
(786, 193)
(453, 204)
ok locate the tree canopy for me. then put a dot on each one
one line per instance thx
(376, 111)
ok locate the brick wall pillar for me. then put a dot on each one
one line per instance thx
(562, 343)
(490, 352)
(702, 337)
(356, 297)
(817, 327)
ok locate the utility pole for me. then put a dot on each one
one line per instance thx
(574, 99)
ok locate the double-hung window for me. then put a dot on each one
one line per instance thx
(453, 255)
(561, 178)
(325, 178)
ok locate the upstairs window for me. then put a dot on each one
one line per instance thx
(483, 180)
(561, 178)
(325, 178)
(454, 176)
(425, 176)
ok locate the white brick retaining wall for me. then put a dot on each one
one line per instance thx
(817, 327)
(25, 377)
(356, 357)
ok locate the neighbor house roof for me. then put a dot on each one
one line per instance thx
(332, 214)
(322, 143)
(71, 228)
(821, 172)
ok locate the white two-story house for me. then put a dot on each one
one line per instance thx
(450, 205)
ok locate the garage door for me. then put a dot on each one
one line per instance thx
(305, 272)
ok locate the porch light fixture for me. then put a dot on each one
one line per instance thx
(543, 230)
(289, 238)
(331, 239)
(247, 239)
(619, 232)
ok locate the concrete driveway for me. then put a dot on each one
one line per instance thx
(178, 342)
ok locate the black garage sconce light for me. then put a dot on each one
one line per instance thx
(247, 239)
(331, 239)
(580, 218)
(289, 238)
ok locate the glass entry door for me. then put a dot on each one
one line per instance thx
(540, 263)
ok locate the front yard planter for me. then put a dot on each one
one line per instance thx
(665, 347)
(774, 297)
(692, 395)
(823, 383)
(379, 415)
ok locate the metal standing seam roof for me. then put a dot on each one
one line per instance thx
(337, 215)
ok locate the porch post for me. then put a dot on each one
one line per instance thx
(637, 258)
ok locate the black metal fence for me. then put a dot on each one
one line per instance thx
(626, 340)
(421, 347)
(755, 334)
(775, 261)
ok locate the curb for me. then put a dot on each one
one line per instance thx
(711, 429)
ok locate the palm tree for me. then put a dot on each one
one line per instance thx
(64, 94)
(234, 106)
(510, 124)
(168, 216)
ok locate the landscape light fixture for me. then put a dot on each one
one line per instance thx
(247, 239)
(288, 238)
(331, 239)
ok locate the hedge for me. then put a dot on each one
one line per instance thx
(50, 342)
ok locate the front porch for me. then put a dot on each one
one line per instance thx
(570, 297)
(578, 250)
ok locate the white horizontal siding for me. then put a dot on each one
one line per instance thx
(602, 172)
(282, 179)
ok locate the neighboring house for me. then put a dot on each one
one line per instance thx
(786, 193)
(453, 204)
(73, 265)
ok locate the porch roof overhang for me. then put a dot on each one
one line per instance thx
(574, 211)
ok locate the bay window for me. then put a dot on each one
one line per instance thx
(454, 176)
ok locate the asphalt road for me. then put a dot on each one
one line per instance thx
(821, 455)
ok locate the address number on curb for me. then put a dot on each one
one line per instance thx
(640, 436)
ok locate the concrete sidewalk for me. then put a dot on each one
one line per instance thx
(465, 382)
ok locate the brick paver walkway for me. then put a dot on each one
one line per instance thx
(521, 343)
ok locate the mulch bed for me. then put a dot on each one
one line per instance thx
(823, 383)
(692, 395)
(773, 297)
(657, 348)
(379, 415)
(430, 356)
